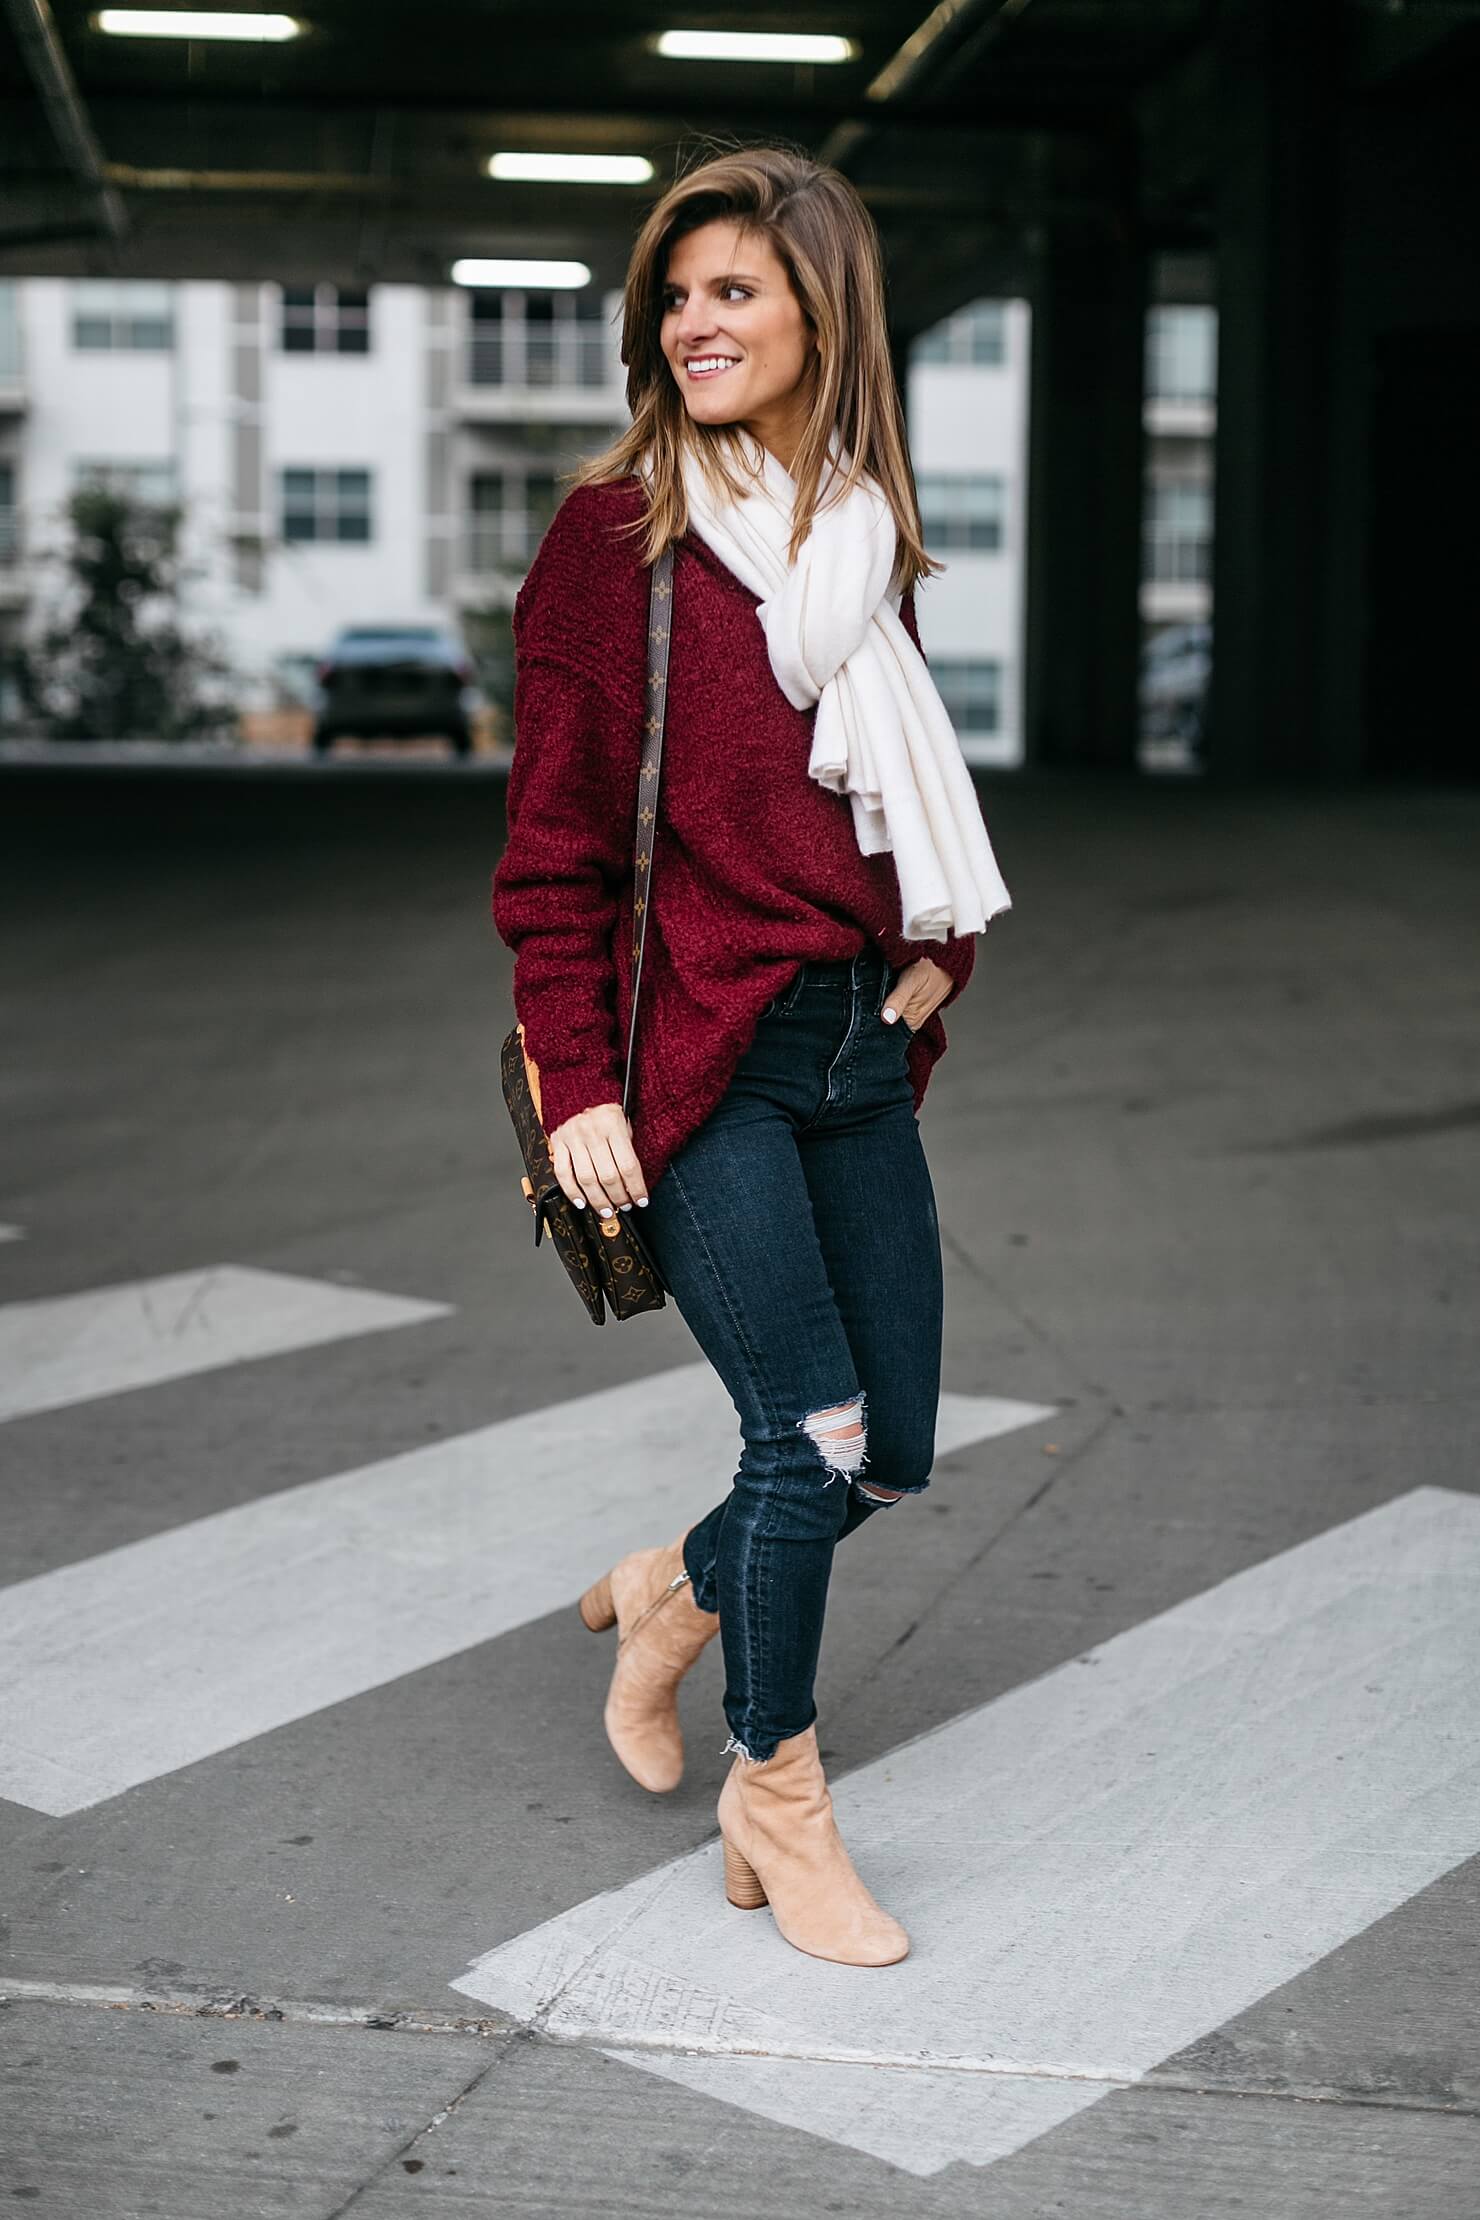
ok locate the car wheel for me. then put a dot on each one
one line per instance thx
(461, 741)
(322, 741)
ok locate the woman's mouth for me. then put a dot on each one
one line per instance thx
(709, 366)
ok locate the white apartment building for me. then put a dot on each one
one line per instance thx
(1180, 417)
(967, 403)
(348, 457)
(1178, 421)
(308, 436)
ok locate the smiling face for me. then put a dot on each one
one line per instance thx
(734, 335)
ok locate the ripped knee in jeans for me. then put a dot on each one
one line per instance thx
(840, 1438)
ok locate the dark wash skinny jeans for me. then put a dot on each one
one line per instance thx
(797, 1233)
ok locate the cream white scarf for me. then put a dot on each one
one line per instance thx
(882, 735)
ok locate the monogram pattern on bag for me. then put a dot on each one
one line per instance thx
(609, 1268)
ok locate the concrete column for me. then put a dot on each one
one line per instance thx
(1084, 494)
(1275, 197)
(251, 527)
(440, 335)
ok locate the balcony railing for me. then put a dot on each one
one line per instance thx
(1174, 558)
(565, 355)
(503, 540)
(10, 536)
(1189, 392)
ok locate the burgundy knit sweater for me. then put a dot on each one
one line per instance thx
(756, 867)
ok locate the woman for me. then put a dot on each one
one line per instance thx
(820, 870)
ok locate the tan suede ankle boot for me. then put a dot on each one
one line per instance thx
(660, 1632)
(782, 1847)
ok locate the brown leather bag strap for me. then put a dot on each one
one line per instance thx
(660, 629)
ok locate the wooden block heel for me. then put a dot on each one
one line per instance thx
(742, 1883)
(598, 1612)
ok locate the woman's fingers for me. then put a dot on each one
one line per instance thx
(901, 995)
(576, 1173)
(618, 1170)
(916, 980)
(625, 1169)
(912, 1018)
(565, 1171)
(595, 1176)
(593, 1186)
(595, 1162)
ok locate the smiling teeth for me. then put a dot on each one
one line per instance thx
(711, 362)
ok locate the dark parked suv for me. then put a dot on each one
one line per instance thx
(396, 682)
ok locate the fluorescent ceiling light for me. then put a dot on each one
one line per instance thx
(574, 169)
(196, 23)
(754, 46)
(542, 277)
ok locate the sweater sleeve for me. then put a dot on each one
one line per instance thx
(557, 884)
(957, 952)
(579, 622)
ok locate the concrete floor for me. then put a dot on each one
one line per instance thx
(1204, 1145)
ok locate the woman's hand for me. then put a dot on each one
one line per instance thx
(920, 988)
(594, 1160)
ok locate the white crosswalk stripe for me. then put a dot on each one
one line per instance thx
(66, 1349)
(12, 1233)
(152, 1656)
(1096, 1868)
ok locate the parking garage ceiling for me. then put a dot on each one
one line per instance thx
(358, 149)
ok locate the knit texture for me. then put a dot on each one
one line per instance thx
(756, 866)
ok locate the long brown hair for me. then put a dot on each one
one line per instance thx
(819, 227)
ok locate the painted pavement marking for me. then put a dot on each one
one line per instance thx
(1097, 1868)
(66, 1349)
(152, 1656)
(12, 1233)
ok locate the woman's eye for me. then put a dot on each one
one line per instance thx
(671, 300)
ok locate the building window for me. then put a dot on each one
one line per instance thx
(516, 485)
(1182, 354)
(326, 320)
(1179, 533)
(976, 334)
(972, 693)
(538, 339)
(151, 482)
(488, 352)
(963, 510)
(123, 313)
(326, 505)
(9, 530)
(509, 512)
